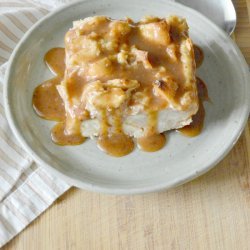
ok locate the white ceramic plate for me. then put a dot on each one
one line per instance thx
(224, 70)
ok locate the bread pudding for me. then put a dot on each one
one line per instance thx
(123, 80)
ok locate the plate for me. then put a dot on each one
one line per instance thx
(224, 70)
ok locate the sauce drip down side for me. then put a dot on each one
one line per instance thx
(198, 55)
(49, 105)
(46, 101)
(60, 137)
(152, 141)
(117, 144)
(55, 60)
(196, 126)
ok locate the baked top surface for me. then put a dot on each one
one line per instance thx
(131, 66)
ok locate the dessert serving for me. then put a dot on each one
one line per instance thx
(123, 82)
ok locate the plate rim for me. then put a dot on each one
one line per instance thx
(99, 187)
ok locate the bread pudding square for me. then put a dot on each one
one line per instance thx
(132, 77)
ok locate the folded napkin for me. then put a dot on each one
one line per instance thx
(26, 189)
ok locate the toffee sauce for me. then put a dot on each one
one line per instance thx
(49, 105)
(197, 124)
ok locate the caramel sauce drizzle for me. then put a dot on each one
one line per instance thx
(55, 60)
(152, 141)
(61, 137)
(198, 56)
(197, 124)
(48, 104)
(117, 143)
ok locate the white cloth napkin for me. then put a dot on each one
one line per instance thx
(26, 189)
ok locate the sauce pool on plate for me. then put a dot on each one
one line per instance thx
(47, 102)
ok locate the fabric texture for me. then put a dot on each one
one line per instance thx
(26, 189)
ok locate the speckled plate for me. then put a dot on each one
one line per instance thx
(224, 70)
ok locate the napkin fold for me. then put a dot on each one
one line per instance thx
(26, 189)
